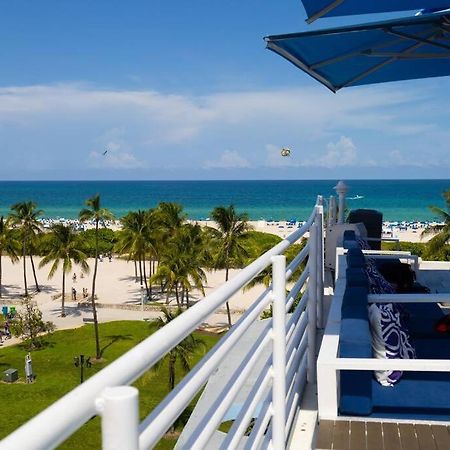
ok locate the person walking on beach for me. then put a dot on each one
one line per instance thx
(74, 277)
(74, 294)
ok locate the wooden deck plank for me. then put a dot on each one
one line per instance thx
(391, 439)
(357, 436)
(441, 437)
(325, 437)
(425, 437)
(374, 436)
(408, 437)
(341, 435)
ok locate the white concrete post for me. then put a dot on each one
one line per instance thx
(312, 305)
(320, 265)
(279, 352)
(332, 211)
(341, 189)
(119, 409)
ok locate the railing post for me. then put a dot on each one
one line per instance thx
(118, 407)
(279, 352)
(320, 265)
(341, 190)
(332, 211)
(312, 304)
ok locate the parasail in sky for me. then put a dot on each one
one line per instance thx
(285, 152)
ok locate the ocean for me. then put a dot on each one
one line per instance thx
(278, 200)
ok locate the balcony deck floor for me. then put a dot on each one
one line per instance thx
(361, 435)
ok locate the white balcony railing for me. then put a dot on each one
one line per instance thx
(280, 382)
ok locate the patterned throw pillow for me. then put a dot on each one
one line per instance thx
(390, 340)
(390, 336)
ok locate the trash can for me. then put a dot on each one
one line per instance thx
(372, 220)
(10, 375)
(13, 311)
(5, 310)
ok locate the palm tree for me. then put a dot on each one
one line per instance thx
(24, 215)
(64, 246)
(183, 353)
(8, 246)
(232, 228)
(137, 240)
(99, 215)
(435, 244)
(180, 266)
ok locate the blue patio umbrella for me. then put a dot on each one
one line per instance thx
(326, 8)
(400, 49)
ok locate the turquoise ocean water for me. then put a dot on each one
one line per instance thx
(281, 200)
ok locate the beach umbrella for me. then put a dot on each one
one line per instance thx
(377, 52)
(316, 9)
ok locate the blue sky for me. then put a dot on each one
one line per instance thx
(187, 90)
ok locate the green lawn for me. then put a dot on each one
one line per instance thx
(56, 375)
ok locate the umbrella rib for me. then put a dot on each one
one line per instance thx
(301, 65)
(360, 51)
(416, 38)
(382, 64)
(324, 11)
(400, 55)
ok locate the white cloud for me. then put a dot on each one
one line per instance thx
(115, 152)
(229, 159)
(69, 125)
(339, 154)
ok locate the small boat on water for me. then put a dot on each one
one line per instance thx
(356, 197)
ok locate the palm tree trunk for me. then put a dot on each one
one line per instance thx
(176, 294)
(140, 269)
(34, 274)
(150, 293)
(172, 361)
(63, 311)
(227, 304)
(24, 267)
(145, 278)
(135, 271)
(187, 298)
(94, 309)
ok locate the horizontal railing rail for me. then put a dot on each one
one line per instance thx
(291, 363)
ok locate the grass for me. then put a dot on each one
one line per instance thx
(56, 375)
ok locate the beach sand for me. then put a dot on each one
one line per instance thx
(116, 288)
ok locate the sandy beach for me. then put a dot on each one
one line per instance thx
(118, 292)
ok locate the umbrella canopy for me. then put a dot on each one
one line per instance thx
(326, 8)
(402, 49)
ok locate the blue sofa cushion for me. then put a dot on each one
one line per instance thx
(421, 318)
(418, 395)
(356, 276)
(355, 258)
(349, 235)
(354, 303)
(356, 386)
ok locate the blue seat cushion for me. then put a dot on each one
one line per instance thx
(356, 385)
(421, 319)
(354, 303)
(433, 349)
(355, 331)
(355, 258)
(417, 395)
(349, 235)
(357, 276)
